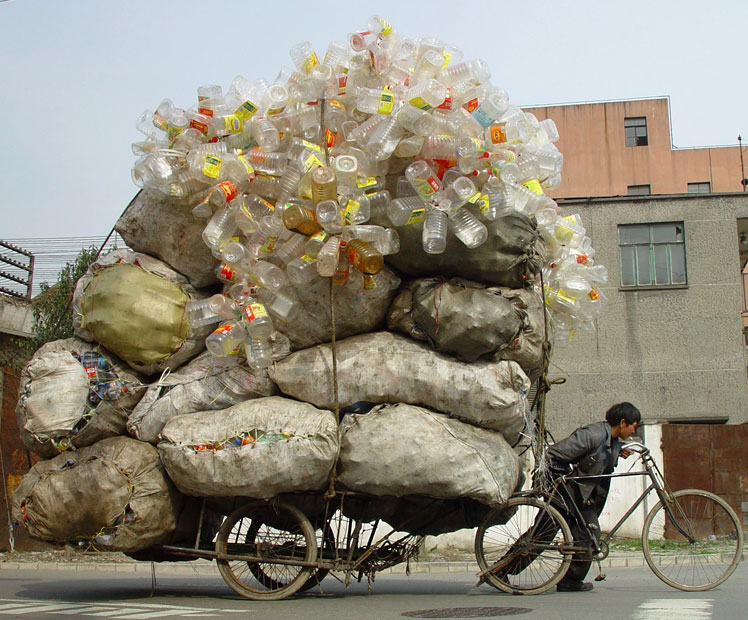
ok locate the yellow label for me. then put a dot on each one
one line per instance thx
(307, 259)
(247, 166)
(534, 186)
(336, 104)
(416, 215)
(233, 123)
(246, 110)
(351, 209)
(320, 236)
(386, 102)
(497, 134)
(481, 201)
(269, 246)
(386, 27)
(370, 284)
(366, 182)
(312, 145)
(212, 166)
(254, 311)
(311, 162)
(418, 102)
(447, 57)
(574, 219)
(567, 298)
(311, 61)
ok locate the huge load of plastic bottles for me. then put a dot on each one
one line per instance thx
(289, 176)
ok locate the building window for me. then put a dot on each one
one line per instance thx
(699, 188)
(636, 131)
(652, 254)
(640, 190)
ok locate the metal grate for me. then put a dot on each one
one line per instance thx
(467, 612)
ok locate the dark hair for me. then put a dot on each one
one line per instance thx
(622, 411)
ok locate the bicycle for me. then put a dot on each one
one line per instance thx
(691, 539)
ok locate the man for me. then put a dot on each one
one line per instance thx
(589, 451)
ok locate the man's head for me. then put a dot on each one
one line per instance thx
(623, 419)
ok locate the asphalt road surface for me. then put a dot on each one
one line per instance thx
(627, 594)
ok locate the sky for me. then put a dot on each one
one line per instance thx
(75, 75)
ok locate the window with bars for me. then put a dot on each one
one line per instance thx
(703, 187)
(636, 131)
(639, 190)
(652, 254)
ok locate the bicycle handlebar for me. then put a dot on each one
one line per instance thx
(635, 446)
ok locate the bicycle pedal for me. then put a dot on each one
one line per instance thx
(601, 577)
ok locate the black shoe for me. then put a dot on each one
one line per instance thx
(574, 586)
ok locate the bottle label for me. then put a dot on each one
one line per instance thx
(534, 186)
(228, 189)
(471, 105)
(232, 123)
(416, 215)
(447, 103)
(225, 328)
(311, 61)
(351, 209)
(312, 162)
(269, 246)
(447, 57)
(370, 284)
(273, 111)
(312, 145)
(366, 182)
(336, 104)
(480, 115)
(481, 201)
(428, 187)
(342, 82)
(205, 111)
(254, 311)
(201, 127)
(248, 167)
(308, 259)
(582, 259)
(497, 133)
(329, 138)
(594, 295)
(321, 236)
(418, 102)
(246, 110)
(212, 166)
(386, 102)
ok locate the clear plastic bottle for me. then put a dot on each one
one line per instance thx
(491, 108)
(384, 139)
(250, 211)
(269, 230)
(315, 242)
(375, 100)
(289, 180)
(257, 323)
(267, 186)
(324, 184)
(473, 71)
(427, 67)
(408, 147)
(200, 313)
(281, 304)
(426, 95)
(265, 133)
(434, 236)
(330, 216)
(302, 270)
(327, 257)
(226, 339)
(468, 228)
(416, 120)
(423, 178)
(304, 57)
(291, 248)
(266, 275)
(440, 147)
(379, 202)
(406, 210)
(268, 162)
(222, 193)
(233, 252)
(364, 257)
(337, 54)
(459, 191)
(220, 228)
(346, 170)
(259, 352)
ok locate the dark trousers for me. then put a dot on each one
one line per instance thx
(544, 529)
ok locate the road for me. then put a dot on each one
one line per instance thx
(627, 594)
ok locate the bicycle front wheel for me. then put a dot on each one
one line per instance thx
(693, 543)
(523, 545)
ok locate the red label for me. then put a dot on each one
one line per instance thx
(205, 111)
(582, 259)
(91, 372)
(447, 103)
(471, 105)
(201, 127)
(228, 273)
(433, 183)
(229, 189)
(330, 138)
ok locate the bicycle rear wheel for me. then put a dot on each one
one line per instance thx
(523, 545)
(694, 543)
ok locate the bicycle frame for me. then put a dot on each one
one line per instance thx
(657, 483)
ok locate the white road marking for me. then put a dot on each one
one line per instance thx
(674, 609)
(121, 611)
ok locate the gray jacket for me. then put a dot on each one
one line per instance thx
(590, 450)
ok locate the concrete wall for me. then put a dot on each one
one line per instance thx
(597, 161)
(16, 316)
(677, 354)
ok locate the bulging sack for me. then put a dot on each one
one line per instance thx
(73, 394)
(258, 448)
(383, 367)
(134, 305)
(403, 450)
(177, 242)
(512, 256)
(204, 384)
(114, 494)
(356, 310)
